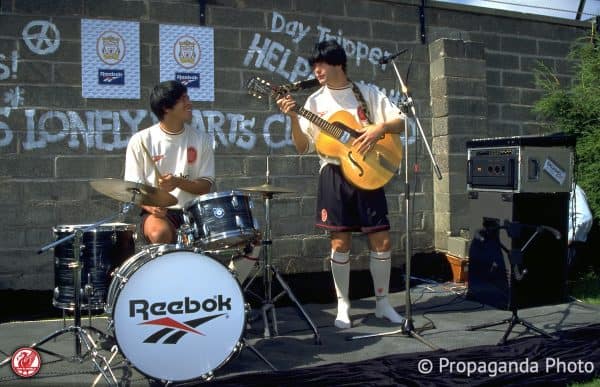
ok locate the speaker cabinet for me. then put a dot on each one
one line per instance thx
(544, 257)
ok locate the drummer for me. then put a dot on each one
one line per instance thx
(172, 156)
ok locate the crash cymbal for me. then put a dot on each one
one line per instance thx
(130, 192)
(266, 188)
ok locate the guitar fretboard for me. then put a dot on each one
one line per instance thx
(330, 128)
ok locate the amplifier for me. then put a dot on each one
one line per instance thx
(521, 164)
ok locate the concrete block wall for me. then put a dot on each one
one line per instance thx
(459, 98)
(53, 141)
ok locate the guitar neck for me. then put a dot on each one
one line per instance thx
(336, 131)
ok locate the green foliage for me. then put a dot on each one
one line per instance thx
(591, 383)
(575, 108)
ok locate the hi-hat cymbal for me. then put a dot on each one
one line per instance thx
(266, 188)
(130, 192)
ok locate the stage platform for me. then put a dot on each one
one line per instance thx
(441, 314)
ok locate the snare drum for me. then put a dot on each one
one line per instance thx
(221, 220)
(176, 314)
(102, 250)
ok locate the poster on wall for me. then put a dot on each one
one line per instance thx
(110, 59)
(187, 55)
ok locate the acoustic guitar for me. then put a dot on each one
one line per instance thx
(370, 170)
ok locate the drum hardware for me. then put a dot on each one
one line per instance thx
(114, 350)
(269, 271)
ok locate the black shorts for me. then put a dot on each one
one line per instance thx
(344, 207)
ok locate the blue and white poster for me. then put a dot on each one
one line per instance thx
(110, 59)
(187, 55)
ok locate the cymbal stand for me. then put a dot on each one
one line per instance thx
(269, 271)
(80, 334)
(406, 106)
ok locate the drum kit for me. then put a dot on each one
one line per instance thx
(165, 303)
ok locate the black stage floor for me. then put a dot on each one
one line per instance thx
(462, 357)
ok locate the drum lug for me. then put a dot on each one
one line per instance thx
(121, 279)
(88, 290)
(238, 222)
(113, 237)
(234, 202)
(206, 230)
(238, 347)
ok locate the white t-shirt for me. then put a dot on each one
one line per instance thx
(580, 215)
(188, 154)
(327, 101)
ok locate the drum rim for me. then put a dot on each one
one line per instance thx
(71, 306)
(214, 195)
(100, 228)
(152, 251)
(237, 346)
(229, 233)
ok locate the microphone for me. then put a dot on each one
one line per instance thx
(301, 85)
(386, 58)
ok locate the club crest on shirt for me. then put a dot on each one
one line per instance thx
(362, 115)
(192, 154)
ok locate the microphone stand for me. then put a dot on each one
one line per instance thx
(407, 106)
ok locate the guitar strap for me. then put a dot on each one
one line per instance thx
(364, 109)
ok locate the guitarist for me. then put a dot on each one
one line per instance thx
(343, 208)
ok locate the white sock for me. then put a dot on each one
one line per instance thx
(243, 265)
(381, 266)
(340, 270)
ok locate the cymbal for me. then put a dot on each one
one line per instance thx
(130, 192)
(266, 188)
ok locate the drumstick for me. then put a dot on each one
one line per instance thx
(156, 171)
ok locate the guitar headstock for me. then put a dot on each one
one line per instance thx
(259, 88)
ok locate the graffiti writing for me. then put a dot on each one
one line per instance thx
(111, 130)
(41, 37)
(9, 71)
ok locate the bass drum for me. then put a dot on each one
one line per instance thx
(177, 315)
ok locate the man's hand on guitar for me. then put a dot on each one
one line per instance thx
(370, 136)
(287, 104)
